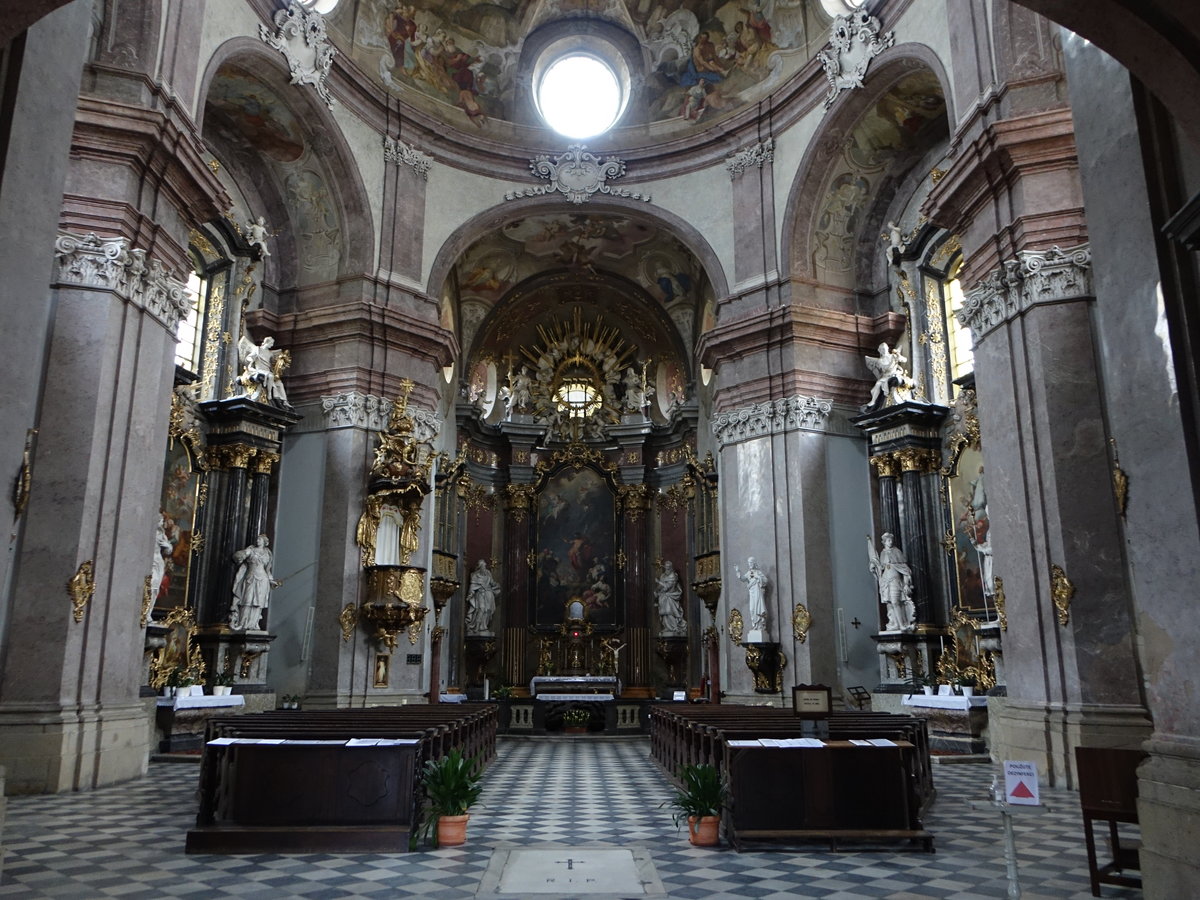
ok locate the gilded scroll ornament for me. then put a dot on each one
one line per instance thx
(999, 600)
(20, 494)
(81, 587)
(736, 626)
(520, 499)
(147, 601)
(1061, 591)
(1119, 479)
(348, 618)
(801, 622)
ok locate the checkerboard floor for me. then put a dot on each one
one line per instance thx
(127, 841)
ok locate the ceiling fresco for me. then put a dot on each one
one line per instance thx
(580, 248)
(701, 59)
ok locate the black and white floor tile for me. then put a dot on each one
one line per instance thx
(590, 792)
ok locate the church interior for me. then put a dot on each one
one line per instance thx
(366, 354)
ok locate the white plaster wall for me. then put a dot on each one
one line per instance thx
(924, 22)
(366, 146)
(223, 21)
(790, 147)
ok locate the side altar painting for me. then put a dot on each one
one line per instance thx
(173, 538)
(967, 502)
(576, 548)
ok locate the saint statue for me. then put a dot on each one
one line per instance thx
(519, 391)
(894, 580)
(667, 593)
(481, 600)
(252, 586)
(262, 371)
(158, 562)
(756, 585)
(892, 383)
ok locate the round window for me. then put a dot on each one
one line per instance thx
(580, 95)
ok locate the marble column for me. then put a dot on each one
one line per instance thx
(1073, 675)
(70, 717)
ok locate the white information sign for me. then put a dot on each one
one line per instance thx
(1021, 783)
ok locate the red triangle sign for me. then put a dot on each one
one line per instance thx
(1021, 791)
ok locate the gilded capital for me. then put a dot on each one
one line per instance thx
(886, 465)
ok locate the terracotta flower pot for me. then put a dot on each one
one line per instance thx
(575, 729)
(452, 830)
(705, 831)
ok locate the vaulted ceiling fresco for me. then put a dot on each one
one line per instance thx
(701, 59)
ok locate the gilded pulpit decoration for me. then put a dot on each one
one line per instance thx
(81, 587)
(577, 174)
(999, 599)
(1061, 591)
(854, 40)
(801, 622)
(736, 625)
(301, 37)
(348, 618)
(1119, 479)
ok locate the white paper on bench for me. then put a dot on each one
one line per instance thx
(341, 743)
(858, 743)
(744, 743)
(379, 742)
(225, 742)
(881, 742)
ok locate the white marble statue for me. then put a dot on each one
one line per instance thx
(894, 580)
(637, 393)
(262, 370)
(481, 600)
(667, 593)
(252, 585)
(892, 383)
(158, 562)
(895, 238)
(519, 396)
(756, 586)
(256, 236)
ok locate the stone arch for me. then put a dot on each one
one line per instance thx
(817, 167)
(343, 177)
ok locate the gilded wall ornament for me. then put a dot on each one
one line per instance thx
(736, 626)
(1119, 479)
(81, 588)
(999, 599)
(520, 499)
(301, 37)
(854, 40)
(348, 618)
(147, 601)
(21, 486)
(1061, 591)
(578, 175)
(801, 622)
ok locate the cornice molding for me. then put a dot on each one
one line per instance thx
(1034, 278)
(780, 416)
(110, 265)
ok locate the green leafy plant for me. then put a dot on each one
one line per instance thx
(223, 678)
(576, 717)
(503, 692)
(702, 792)
(452, 786)
(965, 680)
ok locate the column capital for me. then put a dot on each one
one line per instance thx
(1033, 278)
(798, 413)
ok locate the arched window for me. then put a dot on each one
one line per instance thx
(959, 344)
(190, 349)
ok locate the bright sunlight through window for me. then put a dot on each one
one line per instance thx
(579, 96)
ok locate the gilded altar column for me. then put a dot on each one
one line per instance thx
(634, 500)
(519, 564)
(887, 467)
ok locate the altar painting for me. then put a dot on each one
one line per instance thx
(575, 548)
(181, 488)
(972, 537)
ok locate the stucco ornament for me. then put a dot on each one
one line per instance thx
(578, 174)
(754, 155)
(854, 40)
(301, 37)
(400, 153)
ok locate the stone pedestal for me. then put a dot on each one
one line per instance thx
(956, 724)
(673, 651)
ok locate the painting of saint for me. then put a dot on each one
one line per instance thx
(972, 535)
(178, 513)
(576, 544)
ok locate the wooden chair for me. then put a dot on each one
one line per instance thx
(1108, 793)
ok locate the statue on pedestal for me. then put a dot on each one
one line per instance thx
(756, 586)
(892, 384)
(667, 593)
(252, 586)
(262, 371)
(481, 600)
(520, 395)
(894, 580)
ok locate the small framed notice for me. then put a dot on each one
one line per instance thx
(812, 701)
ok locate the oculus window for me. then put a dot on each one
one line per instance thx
(581, 87)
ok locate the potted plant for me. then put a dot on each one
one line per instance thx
(966, 684)
(452, 785)
(926, 682)
(575, 720)
(699, 800)
(502, 692)
(222, 684)
(184, 682)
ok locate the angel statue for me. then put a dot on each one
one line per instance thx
(893, 578)
(256, 236)
(892, 383)
(262, 371)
